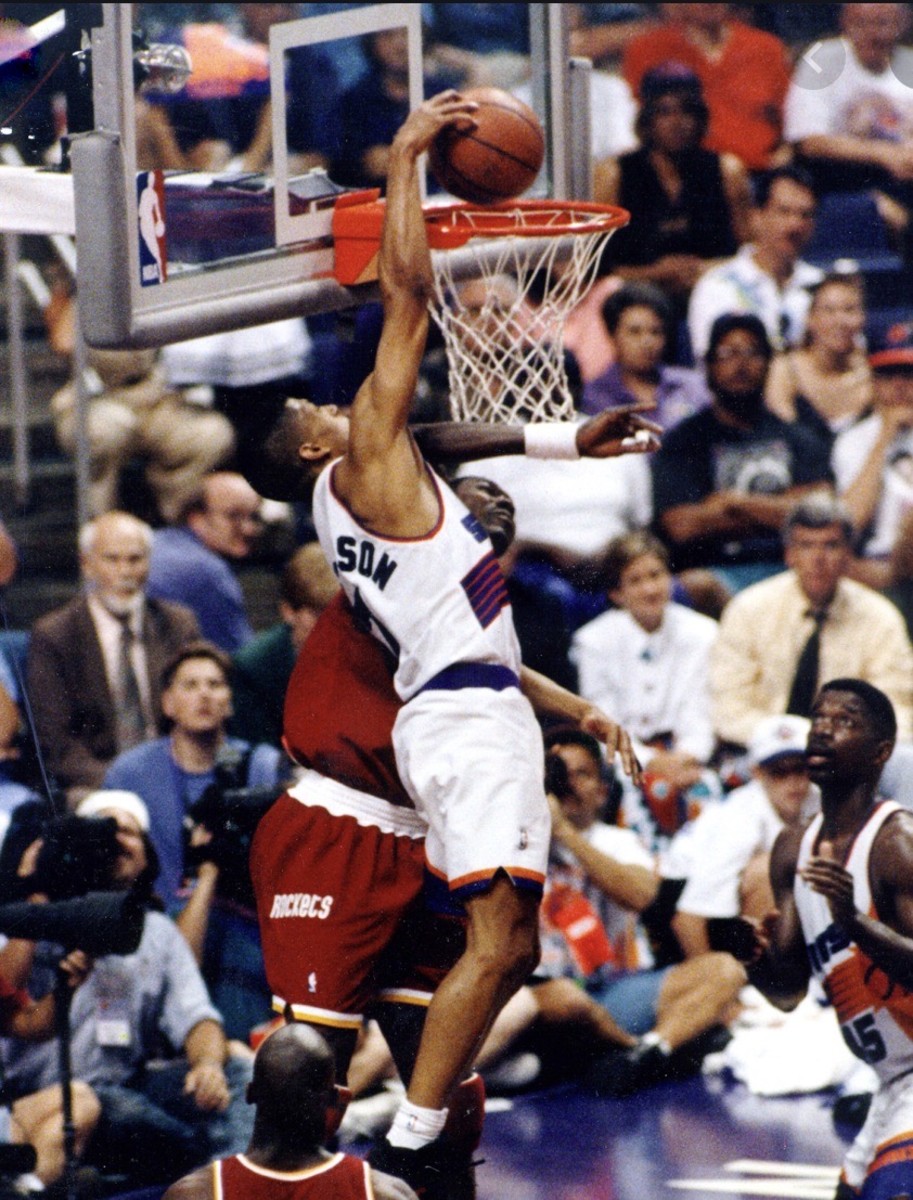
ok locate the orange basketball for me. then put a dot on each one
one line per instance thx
(498, 159)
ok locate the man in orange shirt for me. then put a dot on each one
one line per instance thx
(744, 73)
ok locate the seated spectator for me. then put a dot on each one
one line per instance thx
(725, 478)
(599, 880)
(134, 413)
(372, 109)
(613, 131)
(873, 461)
(855, 133)
(261, 669)
(601, 32)
(767, 277)
(189, 559)
(826, 384)
(158, 1115)
(688, 206)
(13, 790)
(94, 664)
(37, 1119)
(222, 118)
(782, 638)
(485, 45)
(646, 663)
(744, 73)
(729, 845)
(172, 774)
(640, 321)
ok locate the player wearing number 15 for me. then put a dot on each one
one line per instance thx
(843, 887)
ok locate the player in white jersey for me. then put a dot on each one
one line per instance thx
(468, 748)
(844, 893)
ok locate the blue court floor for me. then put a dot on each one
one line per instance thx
(703, 1138)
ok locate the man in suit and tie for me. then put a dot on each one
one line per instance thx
(95, 664)
(781, 639)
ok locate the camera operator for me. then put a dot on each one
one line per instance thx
(185, 773)
(37, 1119)
(145, 1035)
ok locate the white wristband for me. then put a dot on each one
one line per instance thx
(551, 439)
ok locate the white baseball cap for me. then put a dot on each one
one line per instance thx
(103, 801)
(776, 737)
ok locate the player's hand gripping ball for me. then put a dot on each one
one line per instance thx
(498, 159)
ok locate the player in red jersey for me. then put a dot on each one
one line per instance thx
(295, 1098)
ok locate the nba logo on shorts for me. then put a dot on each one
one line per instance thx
(312, 981)
(150, 203)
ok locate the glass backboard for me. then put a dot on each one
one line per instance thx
(209, 207)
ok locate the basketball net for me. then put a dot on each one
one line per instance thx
(504, 340)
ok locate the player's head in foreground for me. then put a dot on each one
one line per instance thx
(293, 1089)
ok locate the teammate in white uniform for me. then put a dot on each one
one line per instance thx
(467, 745)
(844, 893)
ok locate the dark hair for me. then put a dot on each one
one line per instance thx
(625, 549)
(818, 510)
(725, 324)
(569, 735)
(765, 181)
(199, 648)
(879, 709)
(671, 80)
(267, 455)
(638, 295)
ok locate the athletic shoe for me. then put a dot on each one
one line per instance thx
(435, 1172)
(851, 1110)
(623, 1072)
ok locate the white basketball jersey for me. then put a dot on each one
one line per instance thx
(875, 1014)
(431, 601)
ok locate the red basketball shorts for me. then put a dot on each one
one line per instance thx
(338, 878)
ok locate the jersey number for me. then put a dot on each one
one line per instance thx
(864, 1039)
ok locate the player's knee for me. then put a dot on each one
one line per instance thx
(727, 972)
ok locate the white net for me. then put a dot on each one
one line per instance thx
(501, 301)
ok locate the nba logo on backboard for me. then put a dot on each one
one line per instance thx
(150, 199)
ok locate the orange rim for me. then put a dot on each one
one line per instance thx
(453, 225)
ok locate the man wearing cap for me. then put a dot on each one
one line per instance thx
(810, 617)
(873, 459)
(729, 844)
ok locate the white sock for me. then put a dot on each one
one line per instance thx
(414, 1127)
(653, 1039)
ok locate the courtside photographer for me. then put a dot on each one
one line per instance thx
(144, 1034)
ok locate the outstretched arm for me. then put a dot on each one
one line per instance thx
(551, 699)
(607, 435)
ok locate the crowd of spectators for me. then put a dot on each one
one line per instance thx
(699, 595)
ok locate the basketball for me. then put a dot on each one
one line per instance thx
(498, 159)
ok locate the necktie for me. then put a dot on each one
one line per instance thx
(131, 720)
(805, 680)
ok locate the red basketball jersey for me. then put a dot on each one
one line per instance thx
(341, 1177)
(340, 707)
